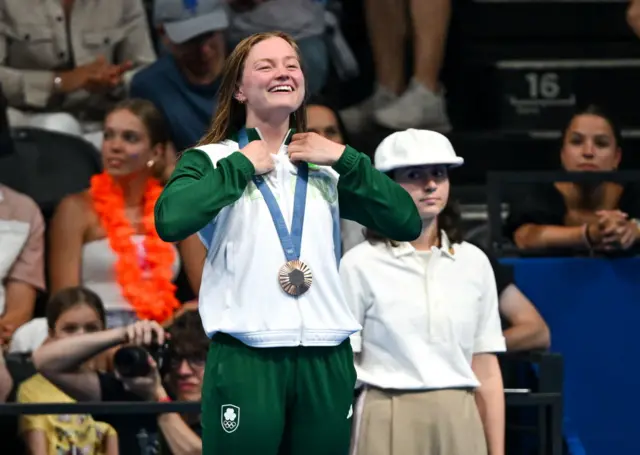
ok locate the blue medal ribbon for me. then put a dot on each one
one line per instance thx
(291, 241)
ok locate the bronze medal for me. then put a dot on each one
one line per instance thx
(295, 278)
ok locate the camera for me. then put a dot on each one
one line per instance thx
(132, 361)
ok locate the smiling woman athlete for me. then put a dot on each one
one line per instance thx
(266, 202)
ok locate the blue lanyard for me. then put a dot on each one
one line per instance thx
(291, 242)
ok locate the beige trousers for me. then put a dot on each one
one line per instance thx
(439, 422)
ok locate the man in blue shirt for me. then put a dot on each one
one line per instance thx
(183, 83)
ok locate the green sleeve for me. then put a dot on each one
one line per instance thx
(374, 200)
(197, 191)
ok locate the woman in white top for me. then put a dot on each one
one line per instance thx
(104, 238)
(429, 311)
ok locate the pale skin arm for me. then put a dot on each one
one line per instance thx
(612, 231)
(180, 438)
(532, 236)
(66, 237)
(6, 381)
(490, 400)
(59, 359)
(36, 442)
(20, 302)
(193, 254)
(23, 279)
(111, 445)
(528, 330)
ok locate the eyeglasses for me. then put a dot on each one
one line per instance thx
(194, 362)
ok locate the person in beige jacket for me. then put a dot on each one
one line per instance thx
(64, 62)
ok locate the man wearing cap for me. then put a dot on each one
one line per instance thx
(184, 82)
(429, 312)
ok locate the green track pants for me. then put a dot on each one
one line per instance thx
(277, 401)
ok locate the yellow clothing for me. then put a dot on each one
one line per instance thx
(66, 433)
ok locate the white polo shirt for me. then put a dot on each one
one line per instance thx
(422, 320)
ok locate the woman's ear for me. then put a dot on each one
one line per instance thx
(158, 152)
(164, 161)
(239, 96)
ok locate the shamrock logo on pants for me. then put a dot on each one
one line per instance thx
(229, 417)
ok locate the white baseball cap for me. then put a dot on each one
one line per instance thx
(415, 148)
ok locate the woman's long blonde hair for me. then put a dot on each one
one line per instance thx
(230, 114)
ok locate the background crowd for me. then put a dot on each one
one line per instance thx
(124, 86)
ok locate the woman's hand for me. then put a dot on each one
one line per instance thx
(144, 333)
(315, 149)
(258, 153)
(148, 387)
(617, 231)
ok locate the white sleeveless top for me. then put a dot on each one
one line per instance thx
(98, 272)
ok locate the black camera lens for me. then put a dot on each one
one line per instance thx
(131, 361)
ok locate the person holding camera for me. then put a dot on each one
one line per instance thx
(136, 377)
(70, 313)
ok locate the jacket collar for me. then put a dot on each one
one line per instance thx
(253, 134)
(446, 249)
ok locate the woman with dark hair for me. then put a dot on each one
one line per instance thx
(429, 311)
(70, 312)
(324, 119)
(279, 375)
(105, 238)
(580, 217)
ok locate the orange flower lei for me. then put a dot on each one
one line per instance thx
(150, 291)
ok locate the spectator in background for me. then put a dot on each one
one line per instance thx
(180, 435)
(325, 120)
(70, 313)
(64, 62)
(633, 16)
(21, 260)
(428, 341)
(577, 217)
(523, 327)
(304, 20)
(392, 105)
(105, 239)
(59, 362)
(183, 83)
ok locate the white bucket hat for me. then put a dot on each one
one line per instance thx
(415, 148)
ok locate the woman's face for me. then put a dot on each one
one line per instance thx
(322, 120)
(428, 187)
(126, 148)
(272, 80)
(187, 374)
(590, 145)
(78, 319)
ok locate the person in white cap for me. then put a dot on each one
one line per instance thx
(429, 311)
